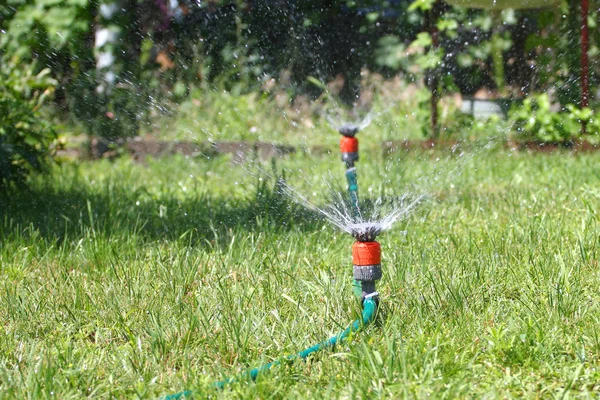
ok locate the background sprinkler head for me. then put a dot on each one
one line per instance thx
(349, 130)
(365, 231)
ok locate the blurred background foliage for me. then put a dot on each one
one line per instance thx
(221, 69)
(25, 133)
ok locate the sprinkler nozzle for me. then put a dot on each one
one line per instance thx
(349, 149)
(349, 130)
(365, 232)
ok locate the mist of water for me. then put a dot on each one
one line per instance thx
(372, 217)
(340, 122)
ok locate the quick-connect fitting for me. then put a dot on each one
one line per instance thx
(349, 149)
(366, 259)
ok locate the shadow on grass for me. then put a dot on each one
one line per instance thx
(114, 211)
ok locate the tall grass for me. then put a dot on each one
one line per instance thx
(122, 280)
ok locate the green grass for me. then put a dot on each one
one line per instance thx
(122, 280)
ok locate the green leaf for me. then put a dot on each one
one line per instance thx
(372, 16)
(447, 24)
(423, 40)
(316, 82)
(421, 5)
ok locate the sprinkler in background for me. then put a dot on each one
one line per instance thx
(349, 149)
(349, 128)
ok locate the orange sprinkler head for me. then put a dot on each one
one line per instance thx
(348, 144)
(366, 253)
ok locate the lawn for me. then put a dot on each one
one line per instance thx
(139, 280)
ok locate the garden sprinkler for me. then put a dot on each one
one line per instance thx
(349, 149)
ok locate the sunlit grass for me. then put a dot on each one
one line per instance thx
(123, 280)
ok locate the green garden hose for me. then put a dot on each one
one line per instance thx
(353, 191)
(368, 315)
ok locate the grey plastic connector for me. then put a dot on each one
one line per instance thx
(368, 273)
(350, 157)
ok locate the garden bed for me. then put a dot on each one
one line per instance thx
(577, 146)
(139, 148)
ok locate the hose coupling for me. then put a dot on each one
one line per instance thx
(349, 149)
(374, 295)
(366, 260)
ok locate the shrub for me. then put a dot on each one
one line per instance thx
(25, 135)
(534, 120)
